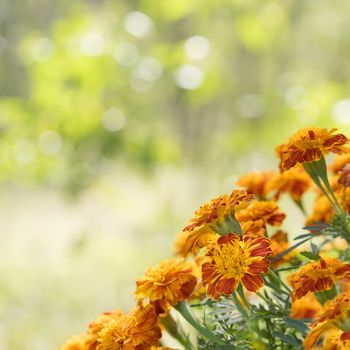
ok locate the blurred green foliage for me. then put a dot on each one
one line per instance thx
(86, 84)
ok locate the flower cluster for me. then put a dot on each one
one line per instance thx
(241, 279)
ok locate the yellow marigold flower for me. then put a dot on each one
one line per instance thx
(136, 331)
(305, 307)
(318, 276)
(166, 284)
(339, 162)
(294, 181)
(190, 242)
(235, 259)
(256, 183)
(214, 212)
(308, 145)
(333, 315)
(267, 211)
(77, 342)
(279, 244)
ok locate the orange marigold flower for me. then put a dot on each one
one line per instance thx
(256, 182)
(235, 259)
(77, 342)
(308, 145)
(253, 228)
(190, 242)
(336, 339)
(339, 162)
(267, 211)
(136, 331)
(166, 284)
(318, 276)
(321, 212)
(294, 181)
(209, 214)
(305, 307)
(333, 315)
(279, 244)
(344, 178)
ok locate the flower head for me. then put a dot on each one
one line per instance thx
(233, 260)
(339, 162)
(321, 212)
(344, 178)
(209, 214)
(318, 276)
(78, 342)
(166, 284)
(136, 331)
(256, 183)
(308, 145)
(294, 181)
(305, 307)
(333, 315)
(336, 339)
(267, 211)
(191, 242)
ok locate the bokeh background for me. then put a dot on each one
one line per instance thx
(118, 118)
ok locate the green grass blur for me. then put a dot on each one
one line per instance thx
(119, 118)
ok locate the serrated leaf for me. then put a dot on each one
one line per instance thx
(310, 255)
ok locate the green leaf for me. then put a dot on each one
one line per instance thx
(297, 324)
(346, 255)
(287, 339)
(310, 255)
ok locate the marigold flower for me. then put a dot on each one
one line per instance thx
(253, 228)
(321, 212)
(339, 162)
(294, 181)
(267, 211)
(308, 145)
(136, 331)
(344, 178)
(305, 307)
(77, 342)
(279, 244)
(256, 183)
(336, 339)
(212, 213)
(190, 242)
(166, 284)
(333, 315)
(318, 276)
(235, 259)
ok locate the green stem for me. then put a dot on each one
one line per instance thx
(241, 293)
(239, 306)
(276, 277)
(172, 328)
(183, 309)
